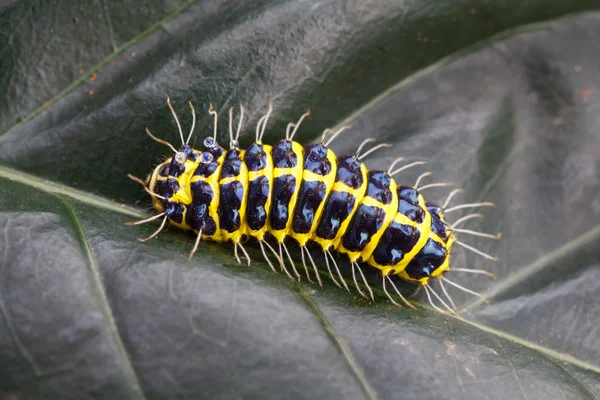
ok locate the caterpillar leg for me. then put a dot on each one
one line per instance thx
(430, 289)
(283, 246)
(235, 253)
(327, 253)
(302, 250)
(329, 269)
(354, 267)
(397, 292)
(262, 248)
(446, 294)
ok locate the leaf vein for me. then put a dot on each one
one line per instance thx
(104, 305)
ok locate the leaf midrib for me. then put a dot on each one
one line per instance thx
(100, 294)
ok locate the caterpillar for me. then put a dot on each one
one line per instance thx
(274, 192)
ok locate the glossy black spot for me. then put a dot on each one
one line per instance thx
(310, 197)
(258, 194)
(349, 172)
(396, 241)
(161, 188)
(430, 258)
(337, 209)
(255, 157)
(284, 188)
(164, 170)
(315, 160)
(176, 169)
(189, 152)
(378, 187)
(408, 204)
(216, 151)
(367, 221)
(167, 188)
(206, 170)
(231, 164)
(210, 226)
(438, 226)
(202, 193)
(408, 193)
(229, 206)
(434, 209)
(175, 211)
(283, 156)
(414, 213)
(202, 196)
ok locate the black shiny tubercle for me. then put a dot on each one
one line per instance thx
(430, 258)
(378, 186)
(349, 171)
(231, 164)
(408, 204)
(230, 203)
(315, 160)
(337, 209)
(310, 197)
(255, 157)
(396, 241)
(438, 226)
(283, 156)
(258, 194)
(367, 221)
(206, 170)
(198, 217)
(284, 188)
(174, 211)
(166, 188)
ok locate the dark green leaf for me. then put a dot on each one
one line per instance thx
(498, 97)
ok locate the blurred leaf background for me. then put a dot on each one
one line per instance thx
(499, 97)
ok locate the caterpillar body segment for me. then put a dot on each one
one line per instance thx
(313, 196)
(233, 183)
(375, 211)
(259, 163)
(318, 177)
(343, 201)
(406, 234)
(288, 158)
(204, 208)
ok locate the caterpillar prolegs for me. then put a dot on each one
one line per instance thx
(280, 191)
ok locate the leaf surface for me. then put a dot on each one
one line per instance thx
(498, 98)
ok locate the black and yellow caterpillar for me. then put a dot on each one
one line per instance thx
(309, 194)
